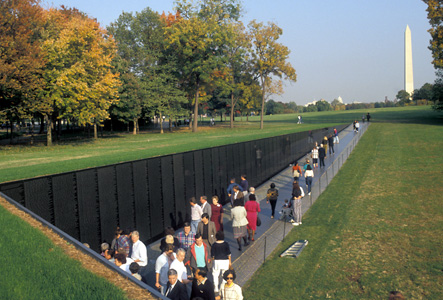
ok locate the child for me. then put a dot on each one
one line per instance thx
(285, 211)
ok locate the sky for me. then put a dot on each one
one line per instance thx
(347, 48)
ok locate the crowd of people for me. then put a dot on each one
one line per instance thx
(199, 250)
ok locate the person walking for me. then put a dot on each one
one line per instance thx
(221, 257)
(230, 290)
(296, 195)
(336, 139)
(196, 213)
(314, 156)
(252, 209)
(309, 175)
(207, 230)
(217, 214)
(272, 196)
(322, 155)
(296, 171)
(331, 144)
(202, 287)
(325, 143)
(239, 222)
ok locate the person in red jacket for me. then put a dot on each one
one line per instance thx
(198, 255)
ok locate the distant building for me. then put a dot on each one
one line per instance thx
(313, 103)
(340, 99)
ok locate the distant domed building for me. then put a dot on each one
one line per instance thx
(340, 99)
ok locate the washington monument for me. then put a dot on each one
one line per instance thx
(409, 76)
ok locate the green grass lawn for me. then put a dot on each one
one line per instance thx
(378, 227)
(19, 162)
(32, 267)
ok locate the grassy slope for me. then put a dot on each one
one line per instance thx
(376, 228)
(18, 162)
(32, 267)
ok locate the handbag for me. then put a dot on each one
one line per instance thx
(258, 220)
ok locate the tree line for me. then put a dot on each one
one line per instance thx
(60, 64)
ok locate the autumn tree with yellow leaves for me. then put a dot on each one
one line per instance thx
(269, 58)
(79, 80)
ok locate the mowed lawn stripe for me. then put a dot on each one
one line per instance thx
(376, 228)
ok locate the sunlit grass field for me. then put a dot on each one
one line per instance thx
(32, 267)
(378, 227)
(19, 162)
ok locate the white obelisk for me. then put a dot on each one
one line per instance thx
(409, 76)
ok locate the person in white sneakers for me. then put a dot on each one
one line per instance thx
(297, 195)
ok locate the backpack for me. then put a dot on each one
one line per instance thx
(272, 194)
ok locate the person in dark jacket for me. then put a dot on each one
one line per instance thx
(331, 144)
(193, 259)
(272, 196)
(322, 155)
(175, 290)
(201, 286)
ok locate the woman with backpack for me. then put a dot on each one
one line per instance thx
(272, 196)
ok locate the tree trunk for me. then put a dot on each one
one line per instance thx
(247, 116)
(95, 131)
(134, 131)
(195, 121)
(48, 130)
(32, 132)
(170, 124)
(161, 123)
(262, 102)
(232, 110)
(127, 126)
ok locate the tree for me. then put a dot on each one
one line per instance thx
(20, 57)
(424, 93)
(269, 58)
(403, 97)
(435, 16)
(141, 47)
(274, 108)
(310, 108)
(232, 73)
(79, 79)
(198, 41)
(323, 105)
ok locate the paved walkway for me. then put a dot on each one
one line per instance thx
(272, 231)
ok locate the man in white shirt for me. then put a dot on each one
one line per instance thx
(196, 214)
(179, 266)
(139, 252)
